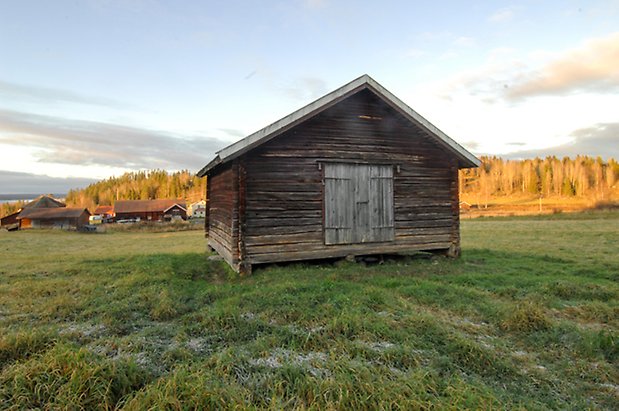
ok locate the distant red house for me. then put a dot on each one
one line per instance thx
(105, 211)
(66, 218)
(150, 210)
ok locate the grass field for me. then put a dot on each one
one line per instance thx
(527, 318)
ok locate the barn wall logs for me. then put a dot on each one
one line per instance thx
(223, 213)
(283, 196)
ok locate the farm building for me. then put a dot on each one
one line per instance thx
(57, 217)
(356, 172)
(197, 209)
(9, 220)
(104, 211)
(45, 201)
(12, 221)
(150, 210)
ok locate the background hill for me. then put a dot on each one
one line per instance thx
(497, 187)
(141, 185)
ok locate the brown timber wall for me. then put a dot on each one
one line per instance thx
(284, 193)
(142, 215)
(223, 213)
(82, 220)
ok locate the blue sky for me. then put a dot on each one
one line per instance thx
(93, 88)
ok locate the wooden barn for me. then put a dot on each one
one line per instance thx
(13, 221)
(10, 220)
(45, 201)
(66, 218)
(150, 210)
(356, 172)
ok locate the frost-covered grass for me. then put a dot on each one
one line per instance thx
(528, 317)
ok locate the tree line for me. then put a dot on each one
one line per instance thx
(140, 185)
(11, 207)
(582, 176)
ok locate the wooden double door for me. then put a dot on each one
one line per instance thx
(358, 203)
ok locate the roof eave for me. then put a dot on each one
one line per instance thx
(272, 130)
(175, 205)
(248, 143)
(466, 159)
(214, 163)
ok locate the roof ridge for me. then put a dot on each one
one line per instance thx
(364, 81)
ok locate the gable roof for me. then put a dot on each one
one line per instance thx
(44, 201)
(146, 206)
(104, 209)
(177, 205)
(51, 213)
(364, 82)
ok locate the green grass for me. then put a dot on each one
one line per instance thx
(527, 318)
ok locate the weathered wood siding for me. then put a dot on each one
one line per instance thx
(358, 203)
(61, 223)
(142, 215)
(283, 199)
(223, 213)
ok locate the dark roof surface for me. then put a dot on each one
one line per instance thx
(9, 217)
(44, 201)
(51, 213)
(146, 206)
(182, 207)
(365, 82)
(104, 209)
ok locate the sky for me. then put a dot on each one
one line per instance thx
(94, 88)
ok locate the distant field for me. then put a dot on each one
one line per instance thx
(477, 206)
(528, 317)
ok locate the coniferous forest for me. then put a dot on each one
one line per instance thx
(583, 177)
(140, 185)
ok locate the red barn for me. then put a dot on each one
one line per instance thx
(150, 210)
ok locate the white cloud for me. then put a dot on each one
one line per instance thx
(475, 106)
(48, 95)
(464, 41)
(449, 55)
(315, 4)
(502, 15)
(304, 88)
(12, 182)
(54, 140)
(593, 66)
(597, 140)
(414, 53)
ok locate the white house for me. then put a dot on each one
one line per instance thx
(197, 209)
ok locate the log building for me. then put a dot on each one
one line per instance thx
(66, 218)
(150, 210)
(356, 172)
